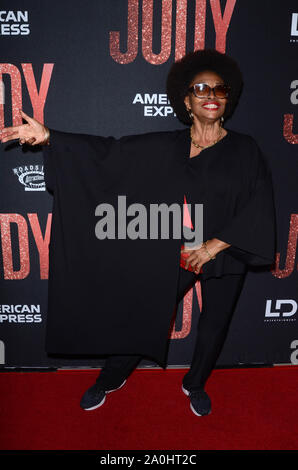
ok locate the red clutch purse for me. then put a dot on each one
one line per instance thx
(183, 258)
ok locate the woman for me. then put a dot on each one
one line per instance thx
(140, 281)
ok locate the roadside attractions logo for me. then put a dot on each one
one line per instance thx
(31, 177)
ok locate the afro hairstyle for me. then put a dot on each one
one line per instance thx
(183, 71)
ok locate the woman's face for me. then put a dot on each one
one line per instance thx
(210, 108)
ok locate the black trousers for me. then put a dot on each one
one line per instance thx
(219, 299)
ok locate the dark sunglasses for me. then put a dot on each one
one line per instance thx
(202, 90)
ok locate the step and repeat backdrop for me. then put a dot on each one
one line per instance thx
(99, 67)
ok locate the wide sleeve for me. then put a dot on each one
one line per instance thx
(79, 156)
(252, 229)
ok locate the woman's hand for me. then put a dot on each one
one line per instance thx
(196, 259)
(200, 256)
(32, 133)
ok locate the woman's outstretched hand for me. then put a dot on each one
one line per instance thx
(32, 133)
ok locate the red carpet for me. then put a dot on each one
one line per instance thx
(252, 409)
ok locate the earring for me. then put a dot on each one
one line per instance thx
(190, 113)
(221, 120)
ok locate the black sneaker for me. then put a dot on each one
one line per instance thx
(94, 397)
(200, 403)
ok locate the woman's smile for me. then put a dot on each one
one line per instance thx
(211, 105)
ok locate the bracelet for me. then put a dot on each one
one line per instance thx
(205, 246)
(47, 140)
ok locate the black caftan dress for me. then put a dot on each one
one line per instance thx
(117, 296)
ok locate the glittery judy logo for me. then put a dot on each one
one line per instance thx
(31, 176)
(173, 31)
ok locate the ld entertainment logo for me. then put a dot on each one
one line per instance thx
(31, 177)
(294, 28)
(281, 310)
